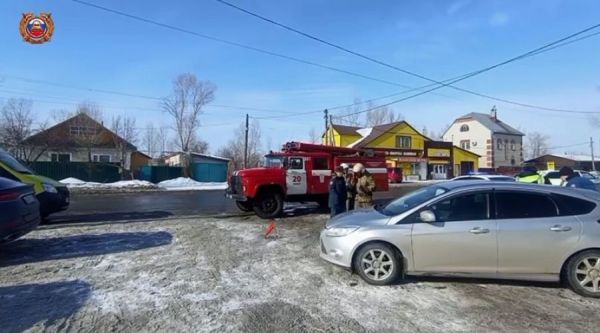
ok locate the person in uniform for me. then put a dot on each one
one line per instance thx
(530, 174)
(365, 186)
(572, 179)
(350, 186)
(337, 192)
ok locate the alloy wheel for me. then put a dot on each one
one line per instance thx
(377, 264)
(587, 273)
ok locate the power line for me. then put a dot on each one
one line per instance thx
(441, 83)
(236, 44)
(113, 92)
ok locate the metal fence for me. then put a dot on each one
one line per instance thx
(158, 173)
(90, 172)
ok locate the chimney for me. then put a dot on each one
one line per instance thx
(494, 113)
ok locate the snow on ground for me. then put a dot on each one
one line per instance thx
(221, 275)
(184, 184)
(177, 184)
(123, 184)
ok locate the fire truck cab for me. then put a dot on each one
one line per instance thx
(300, 172)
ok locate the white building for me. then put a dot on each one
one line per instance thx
(498, 144)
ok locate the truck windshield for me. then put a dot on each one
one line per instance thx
(412, 200)
(12, 163)
(272, 161)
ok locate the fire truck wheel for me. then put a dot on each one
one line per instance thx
(268, 205)
(244, 206)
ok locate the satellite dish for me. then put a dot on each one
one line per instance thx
(474, 143)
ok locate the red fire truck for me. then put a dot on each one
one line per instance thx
(300, 172)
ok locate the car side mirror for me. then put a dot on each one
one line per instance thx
(427, 216)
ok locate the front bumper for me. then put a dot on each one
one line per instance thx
(54, 202)
(235, 196)
(336, 250)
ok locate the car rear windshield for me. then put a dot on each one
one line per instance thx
(568, 205)
(12, 163)
(412, 200)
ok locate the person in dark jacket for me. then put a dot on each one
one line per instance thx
(338, 192)
(350, 186)
(573, 179)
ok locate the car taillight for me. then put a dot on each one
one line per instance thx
(8, 196)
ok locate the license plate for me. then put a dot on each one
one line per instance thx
(29, 199)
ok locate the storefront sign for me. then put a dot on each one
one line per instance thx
(433, 152)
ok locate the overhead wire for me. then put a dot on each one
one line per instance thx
(440, 83)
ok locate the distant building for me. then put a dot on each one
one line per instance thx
(418, 156)
(203, 167)
(498, 144)
(80, 139)
(557, 161)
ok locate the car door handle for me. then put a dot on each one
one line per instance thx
(478, 231)
(559, 228)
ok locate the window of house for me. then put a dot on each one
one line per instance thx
(403, 141)
(499, 144)
(296, 163)
(320, 163)
(513, 145)
(83, 130)
(464, 128)
(60, 157)
(101, 158)
(465, 144)
(522, 205)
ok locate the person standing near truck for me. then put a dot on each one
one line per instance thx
(365, 186)
(338, 192)
(350, 186)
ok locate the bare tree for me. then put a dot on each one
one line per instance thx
(313, 136)
(537, 145)
(380, 115)
(125, 136)
(185, 106)
(151, 140)
(351, 114)
(199, 146)
(269, 143)
(234, 150)
(16, 125)
(163, 133)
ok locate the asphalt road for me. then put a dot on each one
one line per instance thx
(152, 205)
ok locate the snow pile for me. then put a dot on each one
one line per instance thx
(185, 184)
(72, 181)
(123, 184)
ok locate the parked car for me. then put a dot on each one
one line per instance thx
(498, 178)
(20, 210)
(52, 195)
(506, 230)
(394, 175)
(554, 177)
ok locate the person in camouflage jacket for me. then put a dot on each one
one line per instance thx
(365, 186)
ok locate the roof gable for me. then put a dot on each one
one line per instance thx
(78, 131)
(494, 125)
(380, 130)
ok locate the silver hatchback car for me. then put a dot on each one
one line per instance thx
(479, 229)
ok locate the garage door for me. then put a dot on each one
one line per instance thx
(209, 172)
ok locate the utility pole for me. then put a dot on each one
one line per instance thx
(331, 124)
(326, 117)
(592, 150)
(246, 143)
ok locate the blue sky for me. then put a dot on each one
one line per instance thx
(440, 39)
